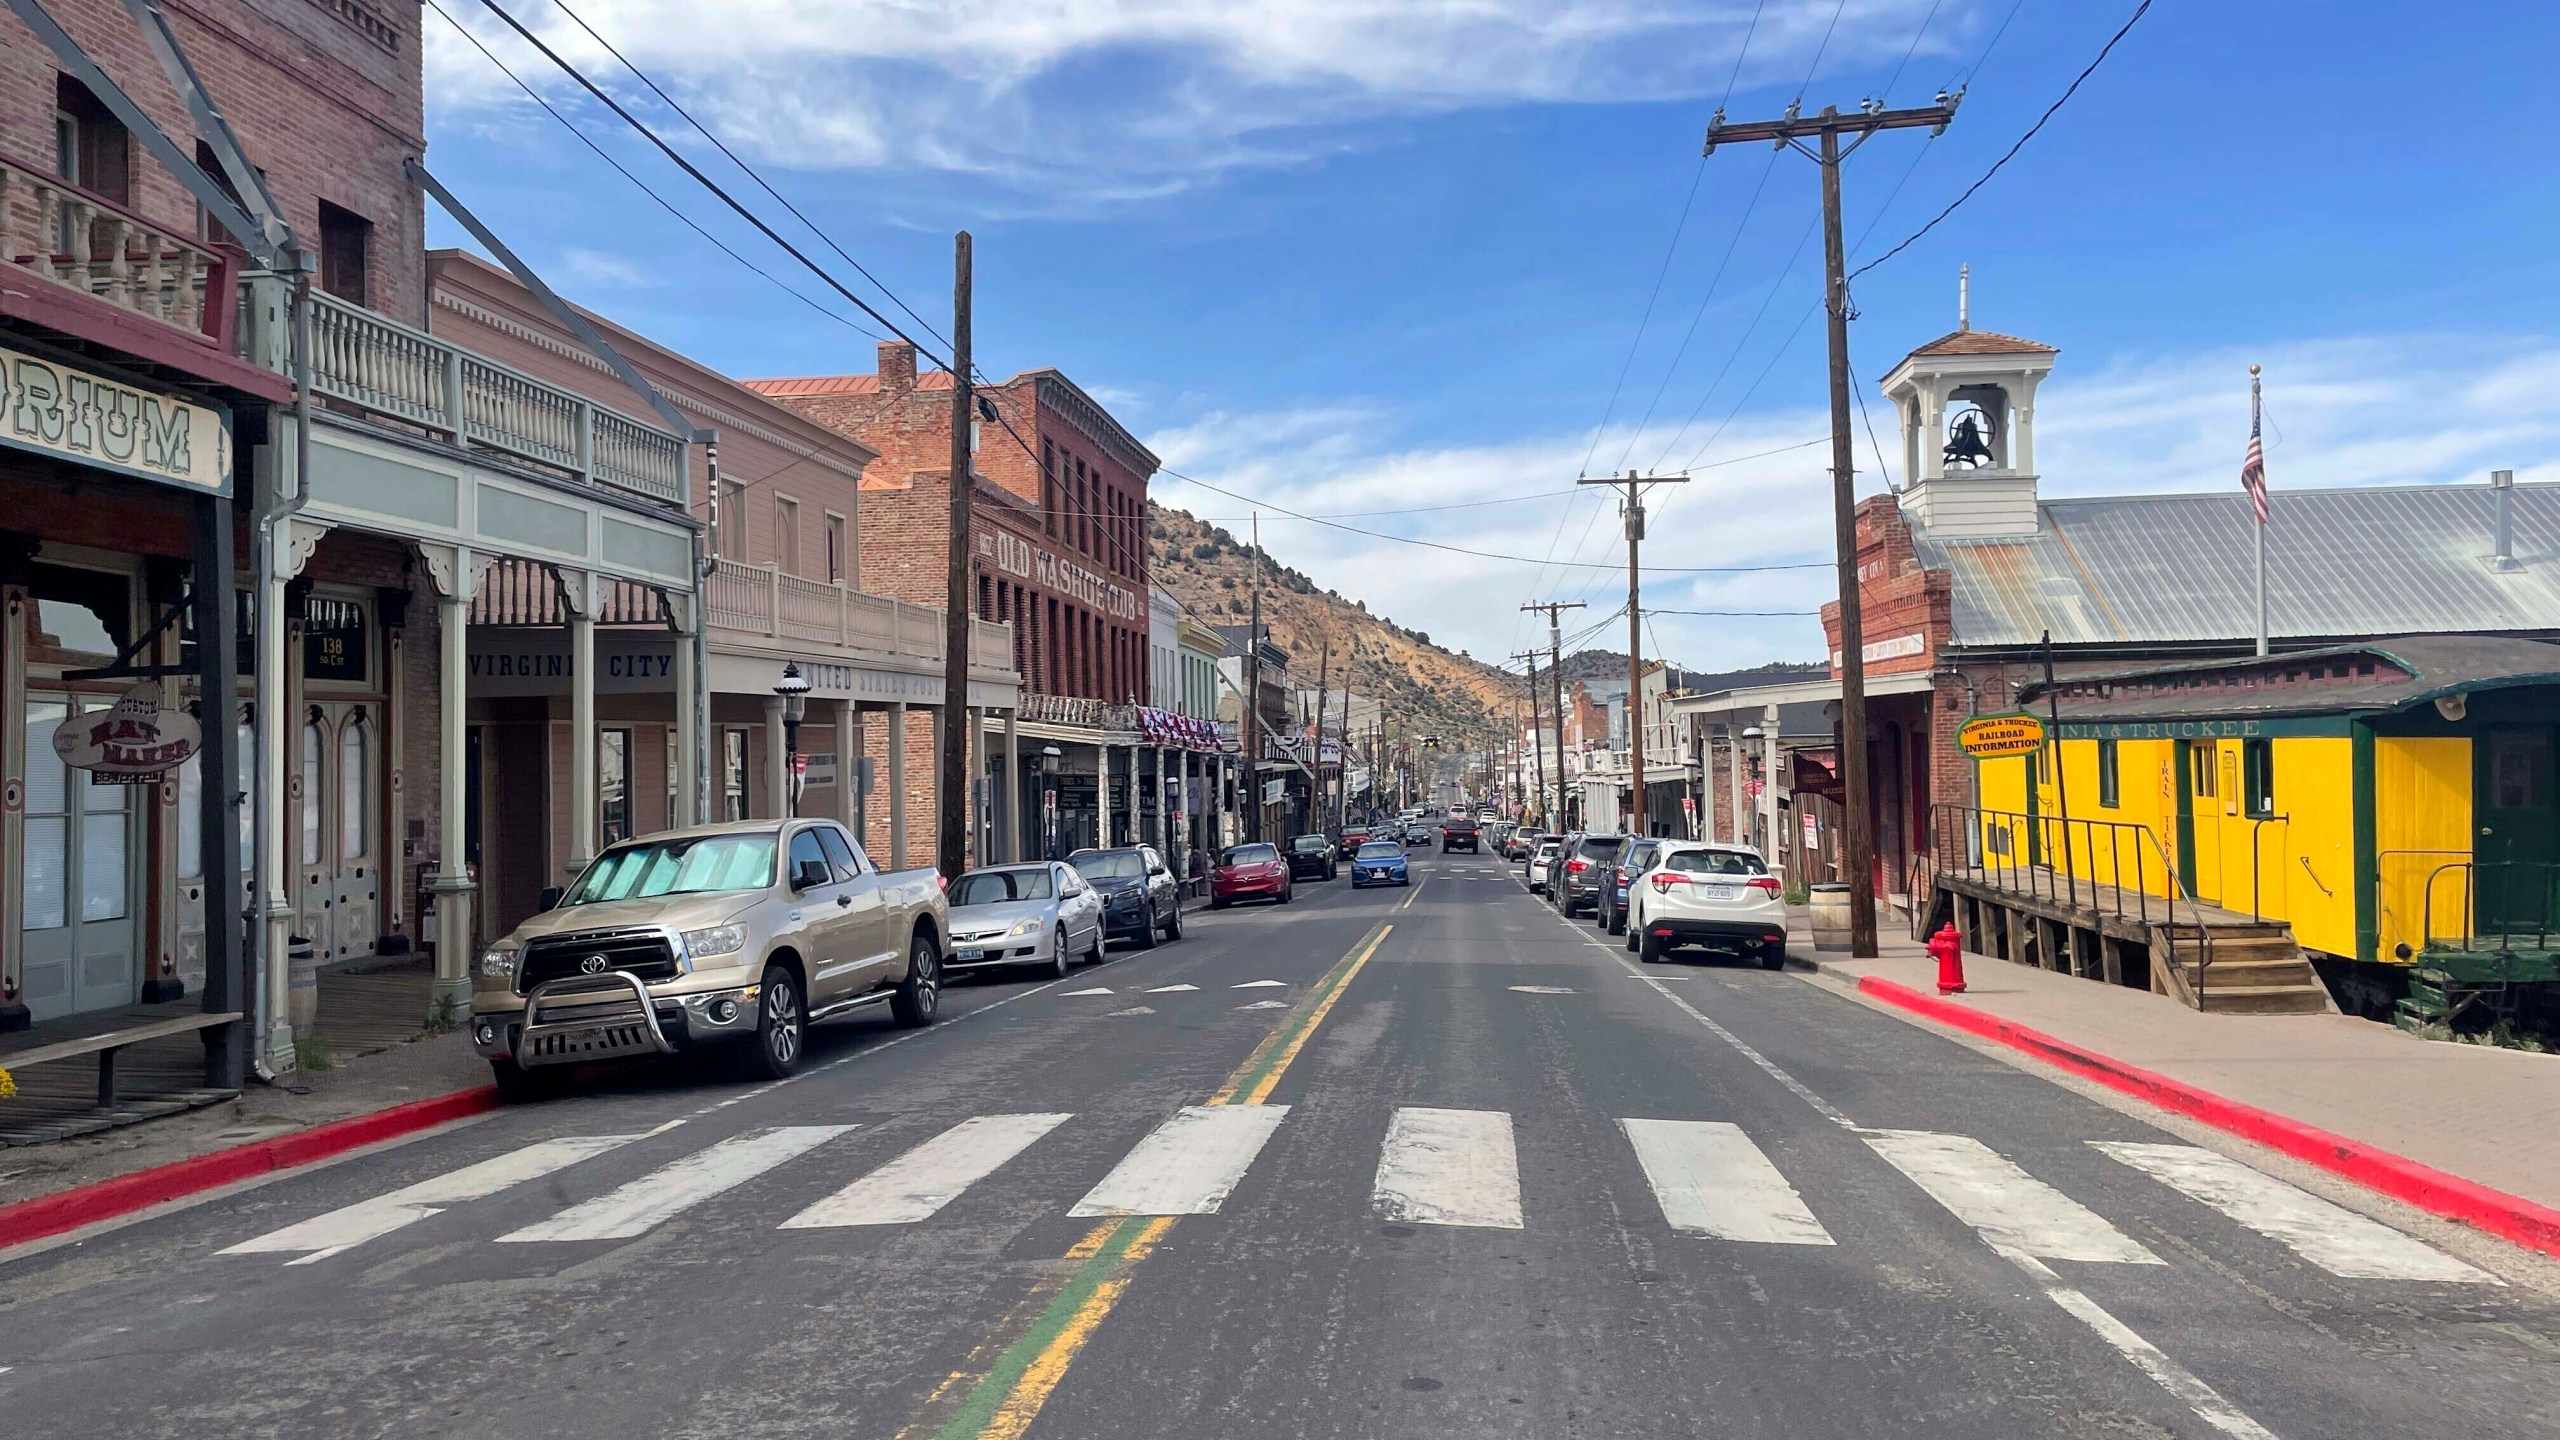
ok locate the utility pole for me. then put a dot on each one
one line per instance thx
(1253, 692)
(1858, 839)
(1634, 516)
(1537, 746)
(951, 773)
(1317, 812)
(1555, 678)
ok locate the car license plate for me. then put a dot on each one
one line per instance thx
(1718, 892)
(968, 955)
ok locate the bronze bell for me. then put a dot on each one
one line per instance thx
(1966, 446)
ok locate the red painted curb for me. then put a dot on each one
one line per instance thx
(2510, 1217)
(88, 1204)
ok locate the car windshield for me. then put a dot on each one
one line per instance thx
(1249, 855)
(690, 865)
(1111, 865)
(1378, 852)
(1713, 862)
(1307, 844)
(995, 887)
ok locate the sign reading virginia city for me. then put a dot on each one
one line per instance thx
(72, 414)
(1985, 737)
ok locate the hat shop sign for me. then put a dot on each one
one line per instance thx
(132, 742)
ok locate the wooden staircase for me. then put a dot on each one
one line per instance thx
(2256, 968)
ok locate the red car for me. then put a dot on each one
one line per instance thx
(1354, 838)
(1249, 872)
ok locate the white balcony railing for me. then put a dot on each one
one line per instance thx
(761, 600)
(68, 236)
(377, 365)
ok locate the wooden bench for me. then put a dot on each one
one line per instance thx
(106, 1044)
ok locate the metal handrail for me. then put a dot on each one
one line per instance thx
(1962, 830)
(2471, 895)
(2257, 828)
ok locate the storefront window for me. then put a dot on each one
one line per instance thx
(311, 772)
(613, 785)
(83, 617)
(46, 867)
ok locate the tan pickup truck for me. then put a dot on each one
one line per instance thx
(733, 937)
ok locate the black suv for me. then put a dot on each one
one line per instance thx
(1138, 894)
(1313, 856)
(1459, 832)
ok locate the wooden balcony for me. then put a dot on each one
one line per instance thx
(387, 371)
(760, 600)
(92, 246)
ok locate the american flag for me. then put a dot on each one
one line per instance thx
(2253, 466)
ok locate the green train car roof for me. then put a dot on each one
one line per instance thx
(2376, 677)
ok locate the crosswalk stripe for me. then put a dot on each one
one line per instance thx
(1711, 1180)
(1450, 1167)
(932, 1175)
(352, 1225)
(2013, 1210)
(641, 1205)
(1187, 1165)
(2330, 1236)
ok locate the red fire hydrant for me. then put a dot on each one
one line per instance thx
(1949, 949)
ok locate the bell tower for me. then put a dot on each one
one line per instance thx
(1967, 401)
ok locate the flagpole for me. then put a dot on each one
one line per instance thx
(2261, 526)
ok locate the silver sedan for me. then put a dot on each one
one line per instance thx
(1041, 915)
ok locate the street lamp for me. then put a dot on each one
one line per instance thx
(1049, 797)
(793, 687)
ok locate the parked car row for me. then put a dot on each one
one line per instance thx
(1661, 894)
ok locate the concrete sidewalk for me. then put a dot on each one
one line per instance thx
(2479, 1113)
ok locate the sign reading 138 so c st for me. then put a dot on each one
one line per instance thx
(1986, 737)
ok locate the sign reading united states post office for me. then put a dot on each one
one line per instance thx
(1986, 737)
(68, 413)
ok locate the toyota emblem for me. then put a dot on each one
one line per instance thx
(594, 965)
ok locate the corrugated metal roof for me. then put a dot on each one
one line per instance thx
(2164, 569)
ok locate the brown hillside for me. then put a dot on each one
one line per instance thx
(1426, 688)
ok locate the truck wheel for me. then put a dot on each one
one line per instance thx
(782, 1027)
(919, 996)
(520, 1086)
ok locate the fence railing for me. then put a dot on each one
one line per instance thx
(395, 372)
(761, 600)
(2108, 868)
(2520, 895)
(61, 233)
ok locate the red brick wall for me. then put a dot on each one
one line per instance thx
(327, 106)
(1094, 521)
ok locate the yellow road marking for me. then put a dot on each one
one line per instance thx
(1005, 1387)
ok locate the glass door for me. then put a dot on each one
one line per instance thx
(75, 873)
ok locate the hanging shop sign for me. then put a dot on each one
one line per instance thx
(1986, 737)
(78, 415)
(132, 742)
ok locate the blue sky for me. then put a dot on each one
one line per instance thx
(1351, 255)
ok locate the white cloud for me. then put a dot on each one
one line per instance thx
(582, 269)
(1135, 97)
(2350, 411)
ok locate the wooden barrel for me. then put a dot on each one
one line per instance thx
(1830, 917)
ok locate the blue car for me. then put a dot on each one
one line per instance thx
(1379, 862)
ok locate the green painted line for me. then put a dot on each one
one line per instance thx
(979, 1410)
(1276, 1044)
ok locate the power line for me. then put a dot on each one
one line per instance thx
(2074, 88)
(750, 170)
(702, 179)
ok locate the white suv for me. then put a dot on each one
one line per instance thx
(1543, 862)
(1720, 897)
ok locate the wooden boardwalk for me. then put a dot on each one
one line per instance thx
(2207, 956)
(362, 1012)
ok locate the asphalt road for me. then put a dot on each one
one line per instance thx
(1394, 1163)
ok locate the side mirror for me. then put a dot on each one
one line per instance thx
(812, 873)
(550, 899)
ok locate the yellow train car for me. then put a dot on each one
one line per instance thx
(2393, 803)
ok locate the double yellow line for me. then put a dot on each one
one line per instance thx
(1016, 1369)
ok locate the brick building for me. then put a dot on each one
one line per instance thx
(1058, 506)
